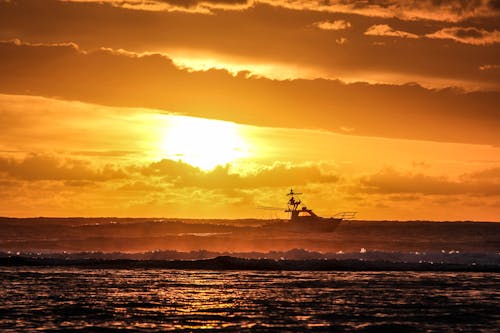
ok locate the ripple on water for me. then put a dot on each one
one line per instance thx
(57, 300)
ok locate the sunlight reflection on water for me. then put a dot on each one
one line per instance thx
(151, 300)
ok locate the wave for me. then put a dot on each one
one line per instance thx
(235, 237)
(296, 259)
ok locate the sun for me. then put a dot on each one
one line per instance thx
(202, 142)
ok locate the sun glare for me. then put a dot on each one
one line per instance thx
(203, 143)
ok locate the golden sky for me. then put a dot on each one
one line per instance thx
(210, 109)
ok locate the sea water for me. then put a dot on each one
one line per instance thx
(151, 300)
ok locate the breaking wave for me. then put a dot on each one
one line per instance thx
(296, 259)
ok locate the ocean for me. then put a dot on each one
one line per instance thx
(76, 299)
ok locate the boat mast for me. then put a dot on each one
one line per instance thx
(293, 204)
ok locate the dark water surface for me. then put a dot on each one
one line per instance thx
(151, 300)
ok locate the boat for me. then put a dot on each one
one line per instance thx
(303, 219)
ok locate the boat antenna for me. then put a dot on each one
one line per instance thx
(293, 203)
(292, 193)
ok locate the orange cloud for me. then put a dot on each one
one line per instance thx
(279, 175)
(489, 67)
(52, 184)
(385, 30)
(388, 181)
(447, 10)
(341, 40)
(272, 41)
(119, 79)
(39, 167)
(191, 6)
(491, 175)
(470, 35)
(333, 25)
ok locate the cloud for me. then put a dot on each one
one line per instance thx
(105, 153)
(192, 6)
(469, 35)
(177, 174)
(41, 167)
(170, 169)
(59, 186)
(333, 25)
(271, 41)
(153, 81)
(341, 40)
(443, 10)
(385, 30)
(180, 174)
(489, 67)
(389, 181)
(491, 175)
(141, 186)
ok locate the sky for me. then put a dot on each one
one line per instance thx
(212, 109)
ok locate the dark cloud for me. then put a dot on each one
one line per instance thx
(264, 34)
(469, 35)
(491, 175)
(125, 79)
(191, 6)
(441, 10)
(192, 3)
(469, 32)
(197, 6)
